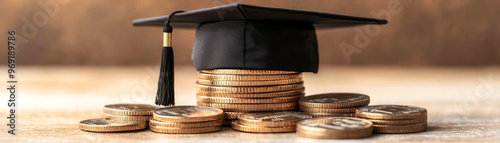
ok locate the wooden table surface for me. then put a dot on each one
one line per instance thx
(463, 103)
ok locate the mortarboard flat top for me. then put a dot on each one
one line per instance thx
(238, 11)
(240, 36)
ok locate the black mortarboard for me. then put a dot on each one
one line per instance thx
(240, 36)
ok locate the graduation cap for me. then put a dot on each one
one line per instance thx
(240, 36)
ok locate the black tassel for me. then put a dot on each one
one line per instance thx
(165, 93)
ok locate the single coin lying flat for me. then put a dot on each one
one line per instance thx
(335, 128)
(187, 114)
(107, 125)
(129, 109)
(273, 119)
(391, 112)
(334, 100)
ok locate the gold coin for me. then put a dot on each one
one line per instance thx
(127, 118)
(252, 107)
(315, 115)
(391, 112)
(260, 129)
(248, 82)
(329, 110)
(233, 115)
(129, 109)
(246, 72)
(329, 135)
(334, 100)
(248, 89)
(254, 95)
(248, 77)
(411, 128)
(186, 125)
(208, 99)
(168, 130)
(398, 122)
(335, 128)
(187, 114)
(273, 119)
(107, 125)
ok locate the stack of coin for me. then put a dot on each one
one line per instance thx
(120, 117)
(129, 112)
(270, 122)
(237, 91)
(335, 128)
(395, 118)
(186, 120)
(333, 104)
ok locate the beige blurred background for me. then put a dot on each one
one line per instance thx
(93, 32)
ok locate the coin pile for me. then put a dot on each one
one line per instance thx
(335, 128)
(270, 122)
(129, 112)
(333, 104)
(395, 118)
(186, 120)
(120, 117)
(238, 91)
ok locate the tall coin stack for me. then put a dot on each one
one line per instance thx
(333, 104)
(186, 120)
(238, 91)
(395, 118)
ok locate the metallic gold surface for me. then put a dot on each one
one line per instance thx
(127, 118)
(107, 125)
(254, 95)
(272, 119)
(334, 100)
(233, 115)
(329, 110)
(246, 72)
(315, 115)
(391, 112)
(335, 135)
(247, 77)
(259, 129)
(398, 122)
(159, 129)
(248, 82)
(411, 128)
(255, 89)
(208, 99)
(129, 109)
(252, 107)
(185, 125)
(335, 128)
(167, 39)
(187, 114)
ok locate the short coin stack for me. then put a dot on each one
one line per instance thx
(186, 120)
(269, 122)
(120, 117)
(238, 91)
(395, 118)
(129, 112)
(333, 104)
(335, 128)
